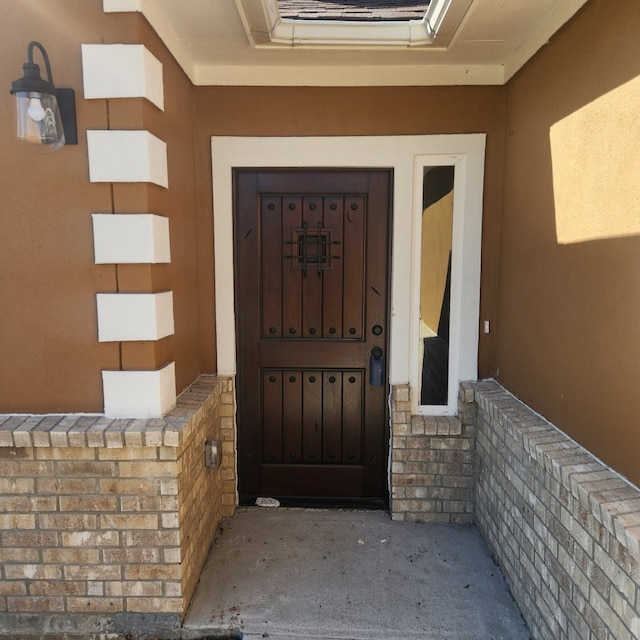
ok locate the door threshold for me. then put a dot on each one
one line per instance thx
(373, 504)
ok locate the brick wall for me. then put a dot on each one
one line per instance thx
(104, 522)
(564, 528)
(432, 462)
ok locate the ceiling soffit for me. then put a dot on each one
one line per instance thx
(227, 42)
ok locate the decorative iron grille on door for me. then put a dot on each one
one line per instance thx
(322, 235)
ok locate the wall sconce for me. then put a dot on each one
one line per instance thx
(46, 115)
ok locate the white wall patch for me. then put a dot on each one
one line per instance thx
(139, 394)
(127, 156)
(122, 71)
(125, 317)
(141, 238)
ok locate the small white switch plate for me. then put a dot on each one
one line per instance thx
(487, 326)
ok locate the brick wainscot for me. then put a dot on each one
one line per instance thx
(106, 523)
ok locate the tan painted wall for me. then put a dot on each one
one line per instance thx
(437, 231)
(50, 355)
(568, 333)
(279, 111)
(51, 359)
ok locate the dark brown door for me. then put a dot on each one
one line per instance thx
(311, 269)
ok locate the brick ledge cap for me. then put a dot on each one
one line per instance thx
(96, 430)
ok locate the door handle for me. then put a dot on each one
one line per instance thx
(376, 367)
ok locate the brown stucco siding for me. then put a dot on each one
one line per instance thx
(52, 360)
(312, 111)
(568, 338)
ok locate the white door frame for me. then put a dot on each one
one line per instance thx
(407, 156)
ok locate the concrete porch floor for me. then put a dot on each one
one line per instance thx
(289, 574)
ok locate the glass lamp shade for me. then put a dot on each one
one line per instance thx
(39, 121)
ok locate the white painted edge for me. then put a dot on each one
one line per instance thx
(398, 153)
(121, 6)
(125, 317)
(411, 33)
(122, 71)
(127, 156)
(138, 238)
(154, 81)
(139, 394)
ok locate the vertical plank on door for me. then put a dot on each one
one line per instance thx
(291, 277)
(272, 258)
(312, 278)
(354, 233)
(332, 281)
(272, 415)
(352, 417)
(312, 417)
(332, 417)
(292, 416)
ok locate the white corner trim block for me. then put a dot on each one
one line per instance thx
(122, 71)
(127, 156)
(116, 6)
(139, 394)
(125, 317)
(131, 238)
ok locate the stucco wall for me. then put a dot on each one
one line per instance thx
(52, 360)
(568, 337)
(51, 357)
(286, 111)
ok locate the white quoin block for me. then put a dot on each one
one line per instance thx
(115, 6)
(125, 317)
(127, 156)
(131, 238)
(122, 71)
(139, 394)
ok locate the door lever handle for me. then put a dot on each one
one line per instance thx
(376, 367)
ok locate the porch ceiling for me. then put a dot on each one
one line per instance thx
(226, 42)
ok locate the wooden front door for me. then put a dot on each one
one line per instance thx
(311, 270)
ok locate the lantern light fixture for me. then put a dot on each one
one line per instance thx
(46, 116)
